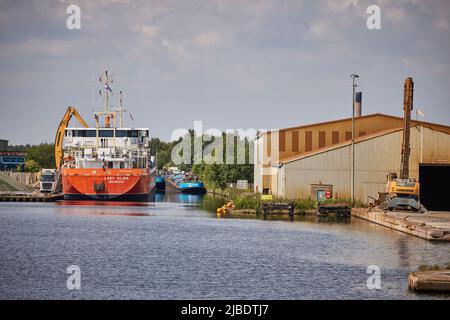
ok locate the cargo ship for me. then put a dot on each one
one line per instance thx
(107, 162)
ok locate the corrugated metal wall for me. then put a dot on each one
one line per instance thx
(374, 158)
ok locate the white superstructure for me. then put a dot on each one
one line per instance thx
(106, 147)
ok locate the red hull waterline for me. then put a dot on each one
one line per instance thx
(108, 184)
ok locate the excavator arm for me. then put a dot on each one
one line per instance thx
(71, 111)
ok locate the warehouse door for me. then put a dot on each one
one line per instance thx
(434, 186)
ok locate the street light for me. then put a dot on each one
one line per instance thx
(352, 184)
(420, 113)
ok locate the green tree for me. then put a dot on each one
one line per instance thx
(216, 175)
(162, 151)
(32, 166)
(43, 154)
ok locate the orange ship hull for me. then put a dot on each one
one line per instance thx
(107, 184)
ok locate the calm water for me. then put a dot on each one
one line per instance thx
(176, 249)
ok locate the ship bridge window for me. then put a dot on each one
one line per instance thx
(90, 133)
(110, 133)
(85, 133)
(106, 133)
(121, 133)
(133, 133)
(79, 133)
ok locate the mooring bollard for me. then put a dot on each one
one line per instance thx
(291, 212)
(265, 210)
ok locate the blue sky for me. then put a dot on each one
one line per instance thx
(232, 64)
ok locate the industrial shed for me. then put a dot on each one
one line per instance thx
(327, 168)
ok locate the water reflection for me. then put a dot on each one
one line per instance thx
(121, 208)
(193, 202)
(403, 251)
(178, 197)
(331, 219)
(186, 205)
(171, 254)
(101, 203)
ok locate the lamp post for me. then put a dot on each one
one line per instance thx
(419, 112)
(352, 183)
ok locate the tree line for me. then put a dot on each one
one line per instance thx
(215, 175)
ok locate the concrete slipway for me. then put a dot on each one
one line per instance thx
(432, 225)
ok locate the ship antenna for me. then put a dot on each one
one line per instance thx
(120, 109)
(107, 89)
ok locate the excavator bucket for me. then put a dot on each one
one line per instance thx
(402, 204)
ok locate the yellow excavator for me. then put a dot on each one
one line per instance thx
(50, 180)
(403, 193)
(71, 111)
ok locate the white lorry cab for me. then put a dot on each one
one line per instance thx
(48, 180)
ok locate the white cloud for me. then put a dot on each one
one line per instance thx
(319, 29)
(256, 8)
(327, 31)
(396, 15)
(244, 75)
(441, 24)
(208, 39)
(342, 5)
(190, 52)
(178, 52)
(36, 47)
(148, 34)
(149, 31)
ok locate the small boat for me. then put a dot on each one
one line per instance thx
(160, 184)
(185, 183)
(192, 187)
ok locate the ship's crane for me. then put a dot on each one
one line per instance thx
(71, 111)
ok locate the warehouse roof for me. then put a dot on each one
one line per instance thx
(349, 142)
(445, 128)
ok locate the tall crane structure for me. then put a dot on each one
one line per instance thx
(71, 111)
(408, 89)
(403, 192)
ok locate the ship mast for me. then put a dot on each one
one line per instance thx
(106, 80)
(120, 109)
(107, 89)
